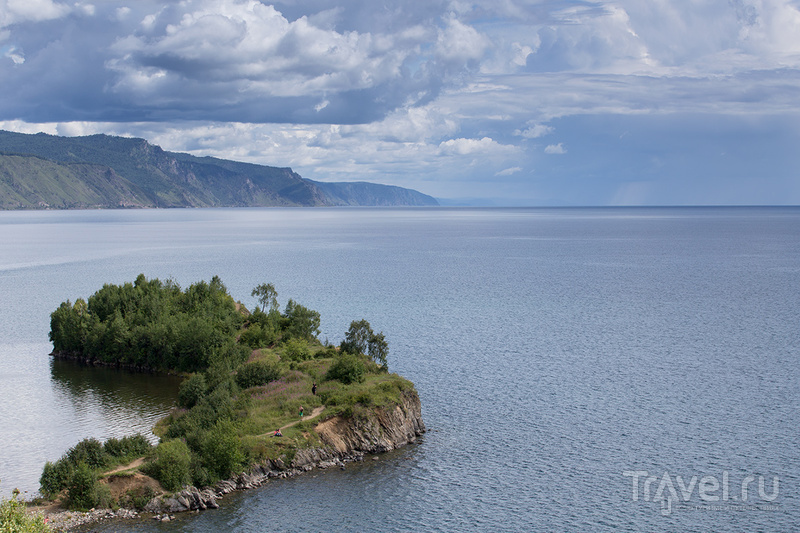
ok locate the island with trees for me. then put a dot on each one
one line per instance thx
(262, 396)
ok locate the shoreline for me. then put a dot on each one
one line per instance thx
(191, 499)
(346, 440)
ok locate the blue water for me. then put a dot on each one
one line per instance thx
(555, 350)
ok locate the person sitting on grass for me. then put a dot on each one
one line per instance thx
(277, 433)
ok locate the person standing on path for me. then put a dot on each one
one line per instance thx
(301, 411)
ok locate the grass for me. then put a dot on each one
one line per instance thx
(252, 415)
(265, 408)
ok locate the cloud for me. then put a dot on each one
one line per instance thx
(509, 171)
(468, 146)
(239, 60)
(123, 12)
(436, 93)
(17, 11)
(247, 61)
(535, 131)
(13, 54)
(460, 43)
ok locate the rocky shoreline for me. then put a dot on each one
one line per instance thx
(346, 440)
(194, 499)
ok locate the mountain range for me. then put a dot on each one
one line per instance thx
(42, 171)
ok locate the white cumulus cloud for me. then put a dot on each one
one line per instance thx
(15, 11)
(256, 48)
(463, 146)
(460, 43)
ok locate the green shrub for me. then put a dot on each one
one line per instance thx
(131, 446)
(220, 371)
(201, 417)
(169, 463)
(258, 336)
(257, 373)
(220, 400)
(138, 498)
(113, 448)
(347, 368)
(363, 397)
(296, 350)
(14, 518)
(55, 476)
(327, 352)
(89, 451)
(103, 499)
(84, 492)
(192, 390)
(199, 473)
(221, 450)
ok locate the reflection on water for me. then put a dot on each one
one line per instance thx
(48, 405)
(128, 401)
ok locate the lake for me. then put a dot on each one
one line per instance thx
(580, 369)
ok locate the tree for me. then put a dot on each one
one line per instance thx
(55, 476)
(150, 324)
(192, 390)
(267, 296)
(356, 340)
(378, 349)
(84, 492)
(360, 339)
(301, 322)
(68, 326)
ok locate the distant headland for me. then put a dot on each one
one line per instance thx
(44, 171)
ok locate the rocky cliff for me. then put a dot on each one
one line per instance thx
(377, 430)
(382, 431)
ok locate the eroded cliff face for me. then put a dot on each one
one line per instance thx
(381, 430)
(346, 439)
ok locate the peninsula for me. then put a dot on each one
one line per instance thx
(263, 397)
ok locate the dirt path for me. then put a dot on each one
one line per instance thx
(314, 414)
(136, 464)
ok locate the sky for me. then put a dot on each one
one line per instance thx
(485, 102)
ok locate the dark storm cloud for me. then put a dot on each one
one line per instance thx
(223, 60)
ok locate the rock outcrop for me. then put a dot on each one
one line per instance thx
(381, 431)
(346, 439)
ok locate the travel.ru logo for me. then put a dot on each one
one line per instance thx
(712, 493)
